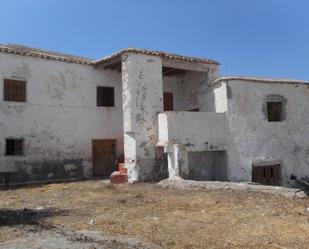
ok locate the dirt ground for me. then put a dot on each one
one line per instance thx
(147, 216)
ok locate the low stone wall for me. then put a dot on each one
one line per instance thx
(243, 186)
(46, 171)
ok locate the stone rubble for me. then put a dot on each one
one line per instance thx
(180, 183)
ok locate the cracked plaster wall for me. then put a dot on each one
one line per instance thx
(252, 138)
(142, 101)
(59, 118)
(190, 91)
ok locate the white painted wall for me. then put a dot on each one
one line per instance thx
(175, 85)
(220, 97)
(60, 117)
(252, 137)
(195, 92)
(190, 91)
(199, 131)
(142, 100)
(182, 132)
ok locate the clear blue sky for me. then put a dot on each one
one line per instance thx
(249, 37)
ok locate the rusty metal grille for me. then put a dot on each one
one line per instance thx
(14, 90)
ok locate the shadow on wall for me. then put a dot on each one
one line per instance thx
(11, 217)
(208, 166)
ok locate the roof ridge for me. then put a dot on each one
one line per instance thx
(39, 50)
(260, 79)
(46, 54)
(157, 53)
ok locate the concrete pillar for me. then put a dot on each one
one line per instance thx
(178, 165)
(142, 90)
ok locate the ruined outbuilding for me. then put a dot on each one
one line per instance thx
(163, 115)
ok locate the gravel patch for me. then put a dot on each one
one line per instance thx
(37, 237)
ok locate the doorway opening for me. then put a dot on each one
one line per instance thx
(266, 174)
(104, 157)
(168, 101)
(208, 166)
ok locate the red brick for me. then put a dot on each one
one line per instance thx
(117, 177)
(122, 169)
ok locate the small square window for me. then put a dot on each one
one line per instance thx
(105, 96)
(14, 90)
(14, 147)
(274, 111)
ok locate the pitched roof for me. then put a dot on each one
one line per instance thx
(45, 54)
(157, 53)
(259, 80)
(34, 52)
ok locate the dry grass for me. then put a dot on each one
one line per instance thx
(169, 218)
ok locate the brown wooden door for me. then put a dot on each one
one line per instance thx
(168, 101)
(104, 157)
(266, 175)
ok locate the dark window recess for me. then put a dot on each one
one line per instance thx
(274, 111)
(14, 147)
(14, 90)
(168, 102)
(105, 96)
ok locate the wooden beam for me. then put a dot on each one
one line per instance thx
(186, 65)
(167, 70)
(172, 71)
(116, 66)
(110, 62)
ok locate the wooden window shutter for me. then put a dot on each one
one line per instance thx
(105, 96)
(274, 111)
(14, 90)
(14, 147)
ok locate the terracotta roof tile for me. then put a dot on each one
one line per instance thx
(157, 53)
(34, 52)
